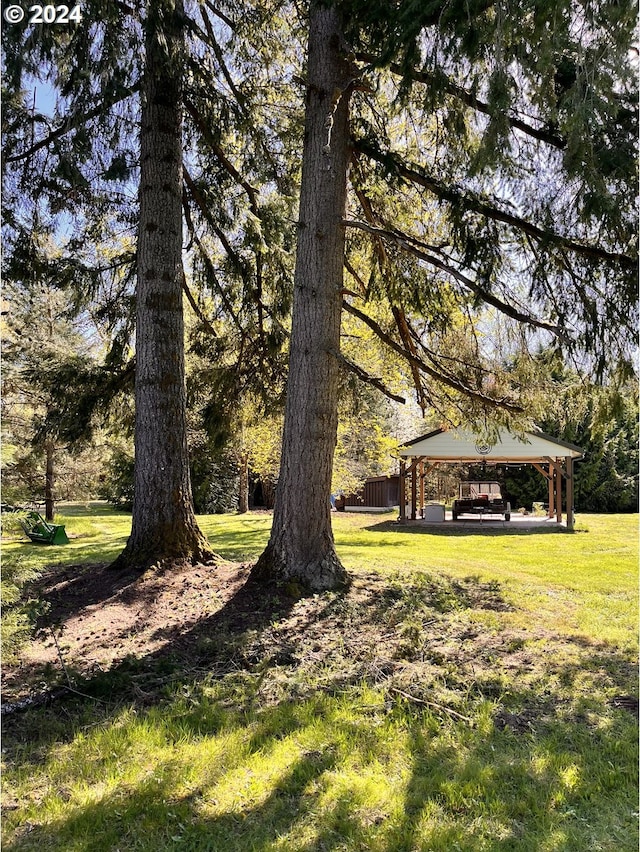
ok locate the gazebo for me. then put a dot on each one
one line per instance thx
(552, 458)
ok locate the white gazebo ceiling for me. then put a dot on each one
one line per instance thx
(459, 445)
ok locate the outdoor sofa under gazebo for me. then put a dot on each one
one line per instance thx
(552, 458)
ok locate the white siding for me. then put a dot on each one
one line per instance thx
(460, 445)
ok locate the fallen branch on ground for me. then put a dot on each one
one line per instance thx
(433, 704)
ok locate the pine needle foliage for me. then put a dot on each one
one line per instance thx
(510, 133)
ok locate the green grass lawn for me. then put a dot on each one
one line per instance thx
(582, 581)
(469, 693)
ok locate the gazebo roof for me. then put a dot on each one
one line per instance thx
(459, 445)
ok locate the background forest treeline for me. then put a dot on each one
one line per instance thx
(606, 478)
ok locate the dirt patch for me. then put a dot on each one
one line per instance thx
(212, 615)
(435, 640)
(94, 617)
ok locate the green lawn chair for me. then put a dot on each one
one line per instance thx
(41, 531)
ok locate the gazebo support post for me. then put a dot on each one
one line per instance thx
(414, 489)
(550, 476)
(558, 491)
(421, 483)
(570, 519)
(552, 490)
(402, 493)
(555, 489)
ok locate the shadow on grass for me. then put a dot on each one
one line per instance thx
(79, 551)
(94, 509)
(395, 778)
(533, 769)
(466, 528)
(67, 587)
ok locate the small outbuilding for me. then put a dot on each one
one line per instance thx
(552, 458)
(379, 492)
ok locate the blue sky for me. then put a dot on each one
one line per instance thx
(45, 97)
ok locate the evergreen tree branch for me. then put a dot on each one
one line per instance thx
(71, 123)
(261, 308)
(195, 307)
(204, 209)
(464, 199)
(368, 379)
(440, 360)
(416, 248)
(70, 415)
(453, 383)
(254, 207)
(211, 268)
(219, 154)
(204, 127)
(213, 43)
(212, 272)
(409, 336)
(350, 269)
(405, 336)
(224, 18)
(372, 219)
(542, 134)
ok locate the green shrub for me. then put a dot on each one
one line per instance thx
(214, 481)
(117, 484)
(18, 615)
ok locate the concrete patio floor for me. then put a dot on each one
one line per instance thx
(520, 522)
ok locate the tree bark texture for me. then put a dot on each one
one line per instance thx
(301, 546)
(164, 528)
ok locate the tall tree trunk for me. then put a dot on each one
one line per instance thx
(301, 546)
(164, 528)
(49, 502)
(268, 492)
(243, 490)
